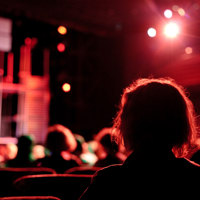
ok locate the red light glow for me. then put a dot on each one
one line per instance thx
(188, 50)
(181, 11)
(62, 30)
(66, 87)
(28, 41)
(61, 47)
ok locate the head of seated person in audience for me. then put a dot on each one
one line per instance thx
(82, 151)
(24, 157)
(78, 151)
(150, 107)
(60, 142)
(157, 124)
(108, 150)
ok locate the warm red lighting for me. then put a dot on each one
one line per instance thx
(171, 30)
(61, 47)
(151, 32)
(181, 11)
(188, 50)
(62, 30)
(66, 87)
(28, 41)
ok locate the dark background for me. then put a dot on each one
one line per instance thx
(106, 48)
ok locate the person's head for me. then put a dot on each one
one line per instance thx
(59, 138)
(25, 145)
(156, 113)
(104, 139)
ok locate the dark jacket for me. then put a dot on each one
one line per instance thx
(56, 162)
(146, 177)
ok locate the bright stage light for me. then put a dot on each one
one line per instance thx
(151, 32)
(66, 87)
(62, 30)
(61, 47)
(171, 30)
(168, 13)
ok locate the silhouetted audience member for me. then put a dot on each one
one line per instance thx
(82, 151)
(24, 157)
(60, 142)
(108, 150)
(156, 123)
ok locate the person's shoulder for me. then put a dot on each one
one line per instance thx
(188, 164)
(111, 170)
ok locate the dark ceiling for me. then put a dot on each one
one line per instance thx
(99, 16)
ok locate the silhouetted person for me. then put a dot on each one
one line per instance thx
(196, 157)
(60, 142)
(24, 157)
(156, 123)
(108, 150)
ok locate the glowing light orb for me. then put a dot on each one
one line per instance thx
(66, 87)
(28, 41)
(151, 32)
(62, 30)
(188, 50)
(181, 11)
(171, 30)
(168, 13)
(61, 47)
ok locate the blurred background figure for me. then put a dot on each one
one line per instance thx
(24, 157)
(107, 151)
(60, 144)
(84, 152)
(7, 152)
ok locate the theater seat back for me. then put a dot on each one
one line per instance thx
(63, 186)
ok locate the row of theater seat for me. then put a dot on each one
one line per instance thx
(30, 198)
(44, 182)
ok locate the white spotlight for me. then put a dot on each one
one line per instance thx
(171, 30)
(168, 13)
(151, 32)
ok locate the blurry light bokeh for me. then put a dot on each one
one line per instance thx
(66, 87)
(62, 30)
(175, 8)
(61, 47)
(168, 13)
(188, 50)
(181, 11)
(28, 41)
(151, 32)
(171, 30)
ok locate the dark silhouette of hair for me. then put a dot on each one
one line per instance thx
(24, 157)
(25, 145)
(104, 137)
(60, 138)
(156, 113)
(108, 148)
(60, 142)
